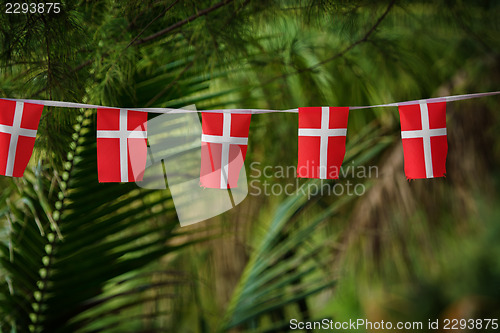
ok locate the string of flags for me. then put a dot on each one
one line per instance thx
(322, 131)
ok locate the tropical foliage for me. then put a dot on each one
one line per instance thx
(80, 256)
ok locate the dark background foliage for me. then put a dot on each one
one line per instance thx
(79, 256)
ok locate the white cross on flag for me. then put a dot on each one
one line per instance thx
(423, 132)
(322, 136)
(18, 126)
(224, 143)
(121, 145)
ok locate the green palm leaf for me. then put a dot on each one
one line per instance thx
(287, 267)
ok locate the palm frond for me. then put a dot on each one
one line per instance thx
(288, 265)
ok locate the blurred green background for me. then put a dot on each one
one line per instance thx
(79, 256)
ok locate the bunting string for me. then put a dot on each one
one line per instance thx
(122, 138)
(247, 111)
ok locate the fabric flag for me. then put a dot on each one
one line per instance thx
(423, 132)
(322, 136)
(224, 142)
(18, 126)
(121, 145)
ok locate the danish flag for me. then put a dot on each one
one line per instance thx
(121, 145)
(322, 136)
(18, 126)
(423, 132)
(224, 143)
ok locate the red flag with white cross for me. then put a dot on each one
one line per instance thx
(121, 145)
(322, 137)
(224, 143)
(425, 146)
(18, 127)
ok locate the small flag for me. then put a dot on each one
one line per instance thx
(18, 126)
(121, 145)
(423, 132)
(322, 137)
(224, 143)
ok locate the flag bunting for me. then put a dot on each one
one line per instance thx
(122, 139)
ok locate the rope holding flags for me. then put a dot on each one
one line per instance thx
(122, 139)
(247, 111)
